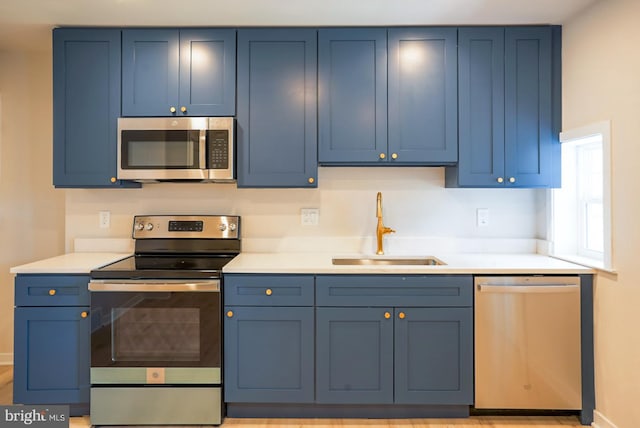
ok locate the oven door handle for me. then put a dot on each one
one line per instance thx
(153, 286)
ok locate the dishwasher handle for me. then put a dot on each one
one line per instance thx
(528, 289)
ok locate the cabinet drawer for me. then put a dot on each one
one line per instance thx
(52, 290)
(394, 290)
(268, 290)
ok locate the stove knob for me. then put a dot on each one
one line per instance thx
(139, 226)
(149, 226)
(232, 227)
(222, 227)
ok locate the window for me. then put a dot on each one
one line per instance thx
(580, 211)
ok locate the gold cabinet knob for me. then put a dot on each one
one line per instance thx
(394, 156)
(229, 314)
(113, 179)
(52, 292)
(268, 292)
(311, 180)
(387, 315)
(512, 180)
(84, 314)
(183, 109)
(401, 315)
(500, 180)
(382, 156)
(172, 109)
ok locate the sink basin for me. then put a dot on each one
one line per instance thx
(381, 261)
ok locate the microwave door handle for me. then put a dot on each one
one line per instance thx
(202, 143)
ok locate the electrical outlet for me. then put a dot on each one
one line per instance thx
(104, 219)
(309, 216)
(482, 217)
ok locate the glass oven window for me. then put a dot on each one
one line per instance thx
(165, 149)
(154, 334)
(155, 329)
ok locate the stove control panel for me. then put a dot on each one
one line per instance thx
(186, 226)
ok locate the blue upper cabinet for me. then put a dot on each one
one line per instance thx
(423, 96)
(352, 95)
(86, 106)
(509, 83)
(277, 108)
(178, 72)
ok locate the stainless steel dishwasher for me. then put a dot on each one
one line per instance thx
(527, 342)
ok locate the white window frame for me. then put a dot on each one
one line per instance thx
(605, 262)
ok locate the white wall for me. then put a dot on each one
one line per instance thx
(31, 211)
(601, 80)
(415, 204)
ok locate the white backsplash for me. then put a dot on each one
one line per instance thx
(415, 203)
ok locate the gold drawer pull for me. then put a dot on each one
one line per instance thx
(387, 315)
(229, 314)
(52, 292)
(84, 314)
(268, 292)
(401, 315)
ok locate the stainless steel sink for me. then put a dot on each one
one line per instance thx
(376, 261)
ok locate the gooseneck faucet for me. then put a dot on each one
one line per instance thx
(381, 229)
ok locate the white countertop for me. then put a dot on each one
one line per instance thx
(72, 263)
(456, 263)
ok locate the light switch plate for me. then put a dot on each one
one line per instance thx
(309, 216)
(482, 217)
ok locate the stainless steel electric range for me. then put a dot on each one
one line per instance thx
(156, 324)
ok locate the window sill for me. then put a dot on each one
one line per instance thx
(584, 261)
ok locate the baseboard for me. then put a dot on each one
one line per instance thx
(6, 359)
(601, 421)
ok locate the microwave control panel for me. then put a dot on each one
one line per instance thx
(218, 149)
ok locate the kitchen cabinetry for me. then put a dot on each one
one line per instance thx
(352, 95)
(51, 341)
(178, 72)
(277, 108)
(509, 83)
(86, 106)
(268, 334)
(421, 88)
(394, 339)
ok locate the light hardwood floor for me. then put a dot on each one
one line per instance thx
(6, 395)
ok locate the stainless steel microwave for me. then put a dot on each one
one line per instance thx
(185, 148)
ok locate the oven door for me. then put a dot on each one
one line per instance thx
(155, 332)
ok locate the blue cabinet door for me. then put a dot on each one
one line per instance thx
(51, 355)
(86, 106)
(423, 97)
(268, 354)
(352, 95)
(208, 72)
(481, 107)
(530, 140)
(178, 72)
(354, 355)
(434, 355)
(150, 67)
(277, 111)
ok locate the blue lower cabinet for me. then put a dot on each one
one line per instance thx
(51, 355)
(433, 355)
(354, 358)
(269, 354)
(394, 355)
